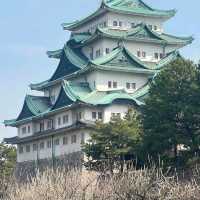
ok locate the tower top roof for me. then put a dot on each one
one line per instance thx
(129, 7)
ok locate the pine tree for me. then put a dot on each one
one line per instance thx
(114, 142)
(171, 116)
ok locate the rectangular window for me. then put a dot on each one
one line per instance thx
(59, 121)
(161, 55)
(144, 54)
(28, 148)
(35, 147)
(49, 124)
(24, 130)
(155, 28)
(133, 85)
(114, 84)
(57, 142)
(82, 138)
(115, 23)
(41, 145)
(29, 129)
(116, 115)
(128, 86)
(65, 140)
(73, 139)
(120, 24)
(91, 55)
(65, 119)
(132, 25)
(156, 56)
(100, 115)
(41, 126)
(105, 24)
(94, 115)
(21, 149)
(109, 84)
(138, 53)
(107, 50)
(98, 53)
(49, 144)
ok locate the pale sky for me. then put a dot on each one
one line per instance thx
(28, 28)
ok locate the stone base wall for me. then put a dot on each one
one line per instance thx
(26, 170)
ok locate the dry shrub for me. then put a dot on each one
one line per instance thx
(144, 184)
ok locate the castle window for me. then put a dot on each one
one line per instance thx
(138, 53)
(65, 140)
(120, 24)
(59, 121)
(28, 148)
(49, 144)
(115, 23)
(41, 126)
(156, 56)
(49, 124)
(73, 139)
(100, 115)
(41, 145)
(65, 119)
(132, 25)
(161, 55)
(128, 86)
(21, 149)
(155, 28)
(82, 138)
(109, 84)
(29, 129)
(98, 53)
(133, 85)
(116, 115)
(151, 27)
(91, 55)
(35, 147)
(107, 50)
(24, 130)
(114, 84)
(94, 115)
(144, 54)
(56, 142)
(105, 24)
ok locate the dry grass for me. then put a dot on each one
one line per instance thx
(133, 185)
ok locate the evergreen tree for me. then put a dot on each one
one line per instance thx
(114, 142)
(171, 116)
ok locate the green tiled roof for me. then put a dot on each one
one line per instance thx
(140, 33)
(120, 57)
(130, 7)
(33, 106)
(83, 93)
(71, 60)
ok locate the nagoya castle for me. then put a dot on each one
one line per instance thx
(104, 69)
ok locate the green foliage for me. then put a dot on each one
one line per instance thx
(7, 159)
(171, 116)
(114, 142)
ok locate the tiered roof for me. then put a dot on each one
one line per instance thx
(128, 7)
(141, 33)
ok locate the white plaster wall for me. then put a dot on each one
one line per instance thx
(128, 19)
(115, 108)
(21, 135)
(102, 77)
(57, 150)
(132, 46)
